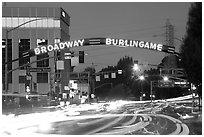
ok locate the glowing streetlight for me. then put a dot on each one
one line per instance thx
(135, 67)
(165, 78)
(141, 77)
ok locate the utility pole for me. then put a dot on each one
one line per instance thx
(6, 65)
(169, 34)
(151, 90)
(93, 78)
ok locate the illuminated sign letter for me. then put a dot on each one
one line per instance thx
(76, 44)
(56, 47)
(108, 41)
(141, 44)
(43, 49)
(135, 43)
(61, 45)
(126, 43)
(153, 46)
(69, 44)
(131, 43)
(146, 45)
(49, 47)
(159, 47)
(121, 42)
(37, 51)
(81, 42)
(115, 42)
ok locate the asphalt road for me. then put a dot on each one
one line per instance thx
(111, 118)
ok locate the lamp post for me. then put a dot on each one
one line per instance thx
(141, 78)
(6, 49)
(151, 90)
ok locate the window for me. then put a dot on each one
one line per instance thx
(8, 22)
(22, 79)
(45, 62)
(24, 45)
(57, 53)
(42, 77)
(9, 57)
(27, 24)
(63, 14)
(15, 22)
(44, 23)
(33, 24)
(57, 40)
(50, 23)
(57, 23)
(3, 22)
(21, 21)
(39, 23)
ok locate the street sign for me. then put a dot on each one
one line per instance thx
(60, 65)
(41, 69)
(67, 55)
(165, 84)
(177, 72)
(183, 84)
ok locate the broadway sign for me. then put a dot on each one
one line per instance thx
(100, 41)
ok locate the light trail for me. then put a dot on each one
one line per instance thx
(27, 123)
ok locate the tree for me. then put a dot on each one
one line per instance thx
(125, 64)
(125, 80)
(191, 49)
(91, 71)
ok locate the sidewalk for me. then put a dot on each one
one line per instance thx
(26, 110)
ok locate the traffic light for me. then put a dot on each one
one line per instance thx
(81, 56)
(27, 86)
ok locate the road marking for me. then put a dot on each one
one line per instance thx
(106, 125)
(130, 121)
(178, 129)
(185, 130)
(127, 130)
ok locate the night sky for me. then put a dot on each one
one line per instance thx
(126, 20)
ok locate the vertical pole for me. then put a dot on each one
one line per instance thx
(31, 83)
(192, 98)
(142, 90)
(89, 88)
(151, 90)
(6, 64)
(93, 78)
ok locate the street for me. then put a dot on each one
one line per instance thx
(172, 117)
(101, 68)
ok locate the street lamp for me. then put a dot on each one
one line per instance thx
(142, 78)
(135, 67)
(165, 78)
(6, 49)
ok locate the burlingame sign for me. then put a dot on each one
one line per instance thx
(101, 41)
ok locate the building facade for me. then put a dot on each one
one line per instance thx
(43, 26)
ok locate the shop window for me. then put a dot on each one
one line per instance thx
(24, 45)
(42, 77)
(43, 62)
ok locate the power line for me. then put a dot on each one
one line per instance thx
(127, 31)
(110, 53)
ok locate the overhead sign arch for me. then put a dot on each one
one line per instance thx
(100, 41)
